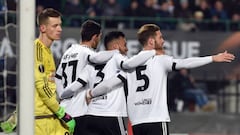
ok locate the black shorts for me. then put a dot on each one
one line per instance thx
(157, 128)
(80, 128)
(99, 125)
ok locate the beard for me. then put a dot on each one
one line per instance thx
(158, 46)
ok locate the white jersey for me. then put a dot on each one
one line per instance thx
(78, 106)
(147, 87)
(72, 63)
(147, 91)
(113, 103)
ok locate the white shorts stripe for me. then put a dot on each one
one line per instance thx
(121, 126)
(164, 128)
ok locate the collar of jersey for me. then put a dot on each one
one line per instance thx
(87, 47)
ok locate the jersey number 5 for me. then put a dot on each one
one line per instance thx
(143, 77)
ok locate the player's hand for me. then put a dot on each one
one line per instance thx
(67, 119)
(88, 97)
(9, 125)
(223, 57)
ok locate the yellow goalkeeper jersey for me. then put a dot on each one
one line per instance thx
(45, 88)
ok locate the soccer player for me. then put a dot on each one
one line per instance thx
(105, 114)
(72, 63)
(147, 84)
(50, 117)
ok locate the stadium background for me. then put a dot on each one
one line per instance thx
(222, 80)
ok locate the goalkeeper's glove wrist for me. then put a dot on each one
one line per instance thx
(66, 118)
(9, 125)
(60, 113)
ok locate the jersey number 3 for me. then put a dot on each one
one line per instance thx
(99, 74)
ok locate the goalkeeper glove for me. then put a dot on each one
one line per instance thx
(9, 125)
(66, 118)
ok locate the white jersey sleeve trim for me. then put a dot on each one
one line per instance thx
(137, 60)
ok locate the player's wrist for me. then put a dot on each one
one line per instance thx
(71, 125)
(214, 58)
(89, 94)
(88, 97)
(60, 113)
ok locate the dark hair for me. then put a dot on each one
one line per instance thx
(88, 29)
(147, 31)
(112, 36)
(45, 14)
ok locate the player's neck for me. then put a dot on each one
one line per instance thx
(85, 43)
(160, 51)
(46, 41)
(147, 48)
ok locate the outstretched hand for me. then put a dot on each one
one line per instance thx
(223, 57)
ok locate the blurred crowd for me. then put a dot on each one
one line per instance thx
(196, 14)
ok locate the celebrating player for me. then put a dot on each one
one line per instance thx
(108, 108)
(147, 84)
(72, 63)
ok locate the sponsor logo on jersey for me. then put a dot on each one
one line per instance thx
(146, 101)
(41, 68)
(103, 97)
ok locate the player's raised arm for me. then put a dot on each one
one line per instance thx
(138, 59)
(101, 57)
(107, 85)
(80, 82)
(200, 61)
(72, 88)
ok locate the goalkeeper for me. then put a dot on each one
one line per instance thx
(50, 118)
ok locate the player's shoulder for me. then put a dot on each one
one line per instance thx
(71, 53)
(90, 67)
(39, 46)
(75, 48)
(119, 56)
(163, 58)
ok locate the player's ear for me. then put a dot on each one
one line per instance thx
(42, 28)
(95, 36)
(115, 45)
(150, 41)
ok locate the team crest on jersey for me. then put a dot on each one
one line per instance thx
(41, 68)
(66, 133)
